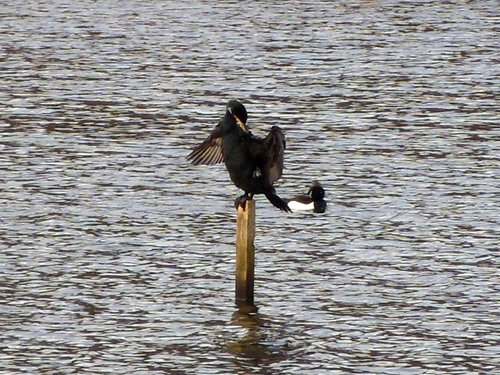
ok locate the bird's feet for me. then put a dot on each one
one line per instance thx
(242, 201)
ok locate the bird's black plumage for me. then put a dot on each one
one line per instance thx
(253, 163)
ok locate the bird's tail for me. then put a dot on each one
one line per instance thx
(277, 201)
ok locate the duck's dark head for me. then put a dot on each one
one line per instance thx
(238, 112)
(317, 192)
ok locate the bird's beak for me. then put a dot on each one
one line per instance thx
(241, 124)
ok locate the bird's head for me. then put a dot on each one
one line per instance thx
(239, 113)
(316, 190)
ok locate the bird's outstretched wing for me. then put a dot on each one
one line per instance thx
(209, 152)
(275, 144)
(269, 153)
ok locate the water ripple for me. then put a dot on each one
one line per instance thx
(118, 257)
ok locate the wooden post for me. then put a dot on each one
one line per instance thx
(245, 257)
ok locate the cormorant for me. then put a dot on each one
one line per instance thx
(253, 163)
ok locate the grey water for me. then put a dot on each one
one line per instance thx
(117, 256)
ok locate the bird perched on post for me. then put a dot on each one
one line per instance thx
(254, 164)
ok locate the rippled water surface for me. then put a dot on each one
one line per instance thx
(117, 256)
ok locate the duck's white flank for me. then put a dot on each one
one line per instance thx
(296, 206)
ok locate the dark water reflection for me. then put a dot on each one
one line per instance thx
(117, 257)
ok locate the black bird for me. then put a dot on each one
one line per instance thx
(314, 200)
(253, 163)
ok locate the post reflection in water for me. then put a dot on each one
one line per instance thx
(258, 344)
